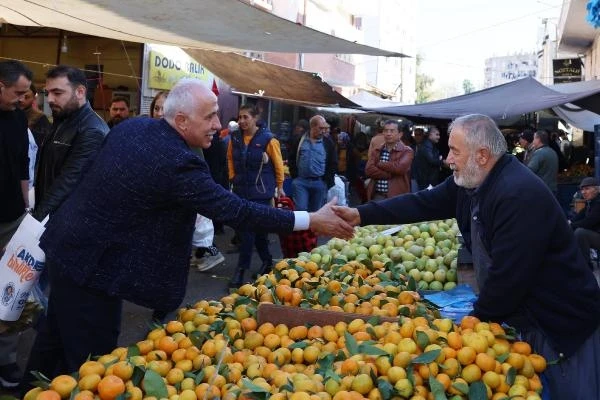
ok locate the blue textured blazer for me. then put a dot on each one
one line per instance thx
(126, 229)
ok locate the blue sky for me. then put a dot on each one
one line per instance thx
(455, 37)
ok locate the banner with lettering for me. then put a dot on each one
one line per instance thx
(166, 68)
(20, 268)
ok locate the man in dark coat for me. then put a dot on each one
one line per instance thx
(124, 232)
(530, 271)
(428, 160)
(586, 224)
(77, 134)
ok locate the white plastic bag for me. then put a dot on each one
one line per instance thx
(20, 267)
(203, 233)
(339, 190)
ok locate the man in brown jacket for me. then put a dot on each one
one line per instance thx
(389, 164)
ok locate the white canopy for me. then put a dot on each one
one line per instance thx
(205, 24)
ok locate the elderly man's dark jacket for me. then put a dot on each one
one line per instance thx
(63, 157)
(588, 217)
(127, 227)
(538, 278)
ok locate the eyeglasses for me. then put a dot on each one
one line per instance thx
(323, 128)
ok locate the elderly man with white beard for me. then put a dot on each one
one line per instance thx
(529, 269)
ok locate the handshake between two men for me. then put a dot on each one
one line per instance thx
(334, 221)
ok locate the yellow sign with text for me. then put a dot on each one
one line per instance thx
(165, 70)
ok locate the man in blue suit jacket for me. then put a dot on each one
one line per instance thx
(125, 232)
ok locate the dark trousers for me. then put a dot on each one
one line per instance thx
(574, 378)
(79, 322)
(587, 239)
(250, 239)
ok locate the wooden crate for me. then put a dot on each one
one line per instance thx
(296, 316)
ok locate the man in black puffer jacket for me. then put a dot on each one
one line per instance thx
(77, 134)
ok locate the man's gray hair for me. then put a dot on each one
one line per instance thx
(481, 131)
(183, 98)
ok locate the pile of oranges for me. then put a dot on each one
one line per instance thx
(372, 289)
(217, 350)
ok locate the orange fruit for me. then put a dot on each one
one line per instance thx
(91, 367)
(167, 344)
(89, 382)
(538, 362)
(248, 324)
(48, 395)
(521, 348)
(466, 355)
(88, 395)
(110, 387)
(469, 322)
(315, 332)
(298, 332)
(174, 327)
(471, 373)
(63, 385)
(485, 362)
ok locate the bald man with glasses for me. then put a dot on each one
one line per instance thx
(312, 163)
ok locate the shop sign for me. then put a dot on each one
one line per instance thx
(567, 70)
(166, 70)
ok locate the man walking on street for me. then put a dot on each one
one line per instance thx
(312, 162)
(77, 134)
(15, 79)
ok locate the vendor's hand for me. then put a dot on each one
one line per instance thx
(280, 193)
(350, 215)
(325, 222)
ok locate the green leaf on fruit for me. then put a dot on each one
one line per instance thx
(511, 375)
(137, 375)
(422, 339)
(427, 357)
(133, 351)
(477, 391)
(298, 345)
(437, 389)
(324, 296)
(412, 284)
(371, 350)
(154, 385)
(199, 378)
(385, 388)
(374, 320)
(248, 384)
(502, 357)
(461, 387)
(351, 343)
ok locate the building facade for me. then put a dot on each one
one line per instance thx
(391, 25)
(504, 69)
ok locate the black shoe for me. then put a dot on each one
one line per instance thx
(238, 279)
(265, 268)
(10, 375)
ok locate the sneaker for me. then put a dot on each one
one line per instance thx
(209, 262)
(10, 375)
